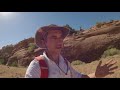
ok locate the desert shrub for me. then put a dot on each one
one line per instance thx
(77, 62)
(110, 52)
(71, 29)
(31, 47)
(14, 64)
(1, 61)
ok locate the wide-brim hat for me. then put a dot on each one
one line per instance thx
(41, 32)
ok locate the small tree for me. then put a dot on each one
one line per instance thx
(14, 64)
(1, 61)
(31, 47)
(71, 29)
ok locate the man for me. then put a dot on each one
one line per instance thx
(50, 39)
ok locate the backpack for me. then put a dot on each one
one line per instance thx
(43, 67)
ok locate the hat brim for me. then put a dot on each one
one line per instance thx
(65, 31)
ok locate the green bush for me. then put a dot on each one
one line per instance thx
(77, 62)
(31, 47)
(1, 61)
(71, 29)
(110, 52)
(14, 64)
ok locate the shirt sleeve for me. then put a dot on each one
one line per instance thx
(75, 74)
(33, 70)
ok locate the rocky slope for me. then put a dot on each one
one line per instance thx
(90, 45)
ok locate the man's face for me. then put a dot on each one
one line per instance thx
(54, 41)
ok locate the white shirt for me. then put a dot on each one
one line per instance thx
(33, 70)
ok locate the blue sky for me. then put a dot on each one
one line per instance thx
(17, 26)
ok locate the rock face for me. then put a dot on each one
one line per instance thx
(22, 58)
(18, 54)
(90, 46)
(86, 46)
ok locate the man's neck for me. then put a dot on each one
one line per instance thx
(53, 56)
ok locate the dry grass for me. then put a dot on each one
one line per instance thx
(12, 72)
(19, 72)
(90, 67)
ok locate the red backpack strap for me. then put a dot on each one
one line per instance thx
(43, 67)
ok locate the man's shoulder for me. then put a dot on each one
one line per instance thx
(36, 60)
(33, 69)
